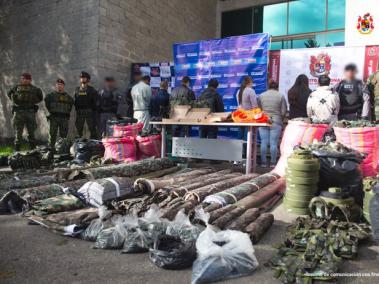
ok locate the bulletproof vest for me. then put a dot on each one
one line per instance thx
(83, 99)
(26, 96)
(107, 101)
(351, 96)
(60, 103)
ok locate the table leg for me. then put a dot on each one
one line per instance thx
(249, 149)
(164, 137)
(255, 142)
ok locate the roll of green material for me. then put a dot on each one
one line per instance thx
(302, 176)
(366, 204)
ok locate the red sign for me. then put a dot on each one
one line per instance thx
(371, 61)
(274, 65)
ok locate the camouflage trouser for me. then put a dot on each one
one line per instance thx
(57, 123)
(88, 116)
(21, 119)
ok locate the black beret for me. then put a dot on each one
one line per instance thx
(60, 81)
(26, 76)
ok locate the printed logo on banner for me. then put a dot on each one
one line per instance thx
(320, 65)
(365, 24)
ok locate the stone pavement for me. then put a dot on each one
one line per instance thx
(31, 254)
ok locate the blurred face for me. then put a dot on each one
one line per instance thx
(137, 78)
(350, 74)
(59, 87)
(25, 81)
(83, 80)
(110, 84)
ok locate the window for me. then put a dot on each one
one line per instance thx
(306, 16)
(238, 22)
(275, 19)
(336, 14)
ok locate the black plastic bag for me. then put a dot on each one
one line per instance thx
(341, 170)
(85, 149)
(172, 253)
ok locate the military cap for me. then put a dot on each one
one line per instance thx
(84, 74)
(26, 76)
(109, 79)
(60, 81)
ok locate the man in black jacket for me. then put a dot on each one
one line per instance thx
(354, 96)
(215, 103)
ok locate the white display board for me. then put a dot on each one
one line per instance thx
(314, 62)
(362, 22)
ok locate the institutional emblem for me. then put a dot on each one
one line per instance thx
(320, 65)
(365, 24)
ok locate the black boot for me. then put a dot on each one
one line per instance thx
(17, 147)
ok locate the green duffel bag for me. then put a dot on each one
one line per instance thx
(302, 180)
(297, 211)
(296, 203)
(311, 165)
(296, 173)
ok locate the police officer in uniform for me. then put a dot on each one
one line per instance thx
(108, 103)
(59, 105)
(25, 98)
(354, 96)
(85, 97)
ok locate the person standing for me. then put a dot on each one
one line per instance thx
(373, 86)
(137, 77)
(298, 97)
(247, 100)
(323, 105)
(85, 97)
(160, 103)
(215, 103)
(182, 95)
(59, 105)
(108, 102)
(25, 98)
(275, 106)
(354, 96)
(141, 95)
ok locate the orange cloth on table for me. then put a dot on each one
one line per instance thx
(255, 115)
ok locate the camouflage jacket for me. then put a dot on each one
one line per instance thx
(25, 96)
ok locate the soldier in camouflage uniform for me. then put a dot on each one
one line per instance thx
(59, 105)
(85, 97)
(373, 85)
(25, 98)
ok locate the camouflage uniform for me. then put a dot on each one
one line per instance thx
(25, 99)
(373, 85)
(59, 106)
(85, 106)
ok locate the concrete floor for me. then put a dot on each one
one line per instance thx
(32, 254)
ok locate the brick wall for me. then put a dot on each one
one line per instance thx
(51, 38)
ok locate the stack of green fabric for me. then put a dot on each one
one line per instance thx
(302, 175)
(368, 186)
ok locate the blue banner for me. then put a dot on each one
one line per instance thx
(228, 60)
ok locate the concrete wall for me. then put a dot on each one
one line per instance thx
(51, 38)
(144, 30)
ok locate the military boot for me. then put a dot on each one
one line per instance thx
(17, 147)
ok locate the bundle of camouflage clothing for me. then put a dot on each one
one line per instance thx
(314, 249)
(34, 159)
(354, 123)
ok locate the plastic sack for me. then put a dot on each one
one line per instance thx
(182, 228)
(85, 149)
(97, 225)
(297, 133)
(222, 255)
(141, 232)
(172, 253)
(121, 130)
(149, 146)
(364, 140)
(111, 123)
(113, 237)
(120, 149)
